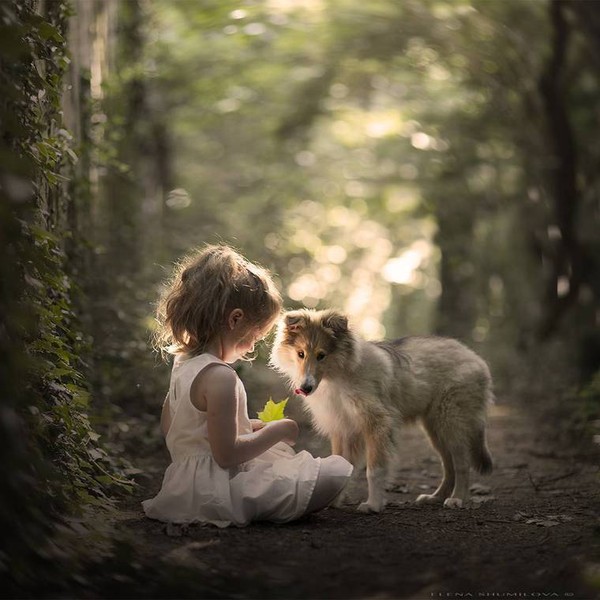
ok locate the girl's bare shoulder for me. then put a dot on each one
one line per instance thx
(217, 380)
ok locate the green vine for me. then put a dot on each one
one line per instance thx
(61, 426)
(59, 467)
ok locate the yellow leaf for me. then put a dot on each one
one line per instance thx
(272, 411)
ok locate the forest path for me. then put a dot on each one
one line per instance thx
(533, 530)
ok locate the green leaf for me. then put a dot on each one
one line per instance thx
(272, 411)
(73, 156)
(48, 31)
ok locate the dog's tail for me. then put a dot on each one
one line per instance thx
(480, 454)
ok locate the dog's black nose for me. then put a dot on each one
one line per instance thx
(307, 388)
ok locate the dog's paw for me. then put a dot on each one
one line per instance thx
(453, 503)
(368, 508)
(428, 499)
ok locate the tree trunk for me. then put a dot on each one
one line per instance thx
(456, 308)
(564, 279)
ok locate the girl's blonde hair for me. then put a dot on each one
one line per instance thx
(206, 286)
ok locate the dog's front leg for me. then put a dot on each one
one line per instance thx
(350, 447)
(337, 447)
(377, 460)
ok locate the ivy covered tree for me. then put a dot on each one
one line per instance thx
(54, 465)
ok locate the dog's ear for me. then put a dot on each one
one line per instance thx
(294, 321)
(335, 321)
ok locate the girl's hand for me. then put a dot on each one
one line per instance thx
(257, 424)
(289, 430)
(219, 388)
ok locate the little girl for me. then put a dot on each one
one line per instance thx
(226, 468)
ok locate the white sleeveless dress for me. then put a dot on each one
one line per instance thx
(276, 486)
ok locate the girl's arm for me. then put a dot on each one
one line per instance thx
(228, 448)
(165, 417)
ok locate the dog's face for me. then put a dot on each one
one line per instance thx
(308, 347)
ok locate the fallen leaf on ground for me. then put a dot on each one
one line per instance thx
(542, 520)
(482, 499)
(480, 490)
(520, 515)
(399, 489)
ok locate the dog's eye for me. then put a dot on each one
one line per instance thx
(301, 354)
(321, 356)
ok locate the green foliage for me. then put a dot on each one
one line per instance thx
(61, 427)
(399, 166)
(588, 406)
(578, 411)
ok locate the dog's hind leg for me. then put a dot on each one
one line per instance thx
(460, 494)
(468, 448)
(445, 488)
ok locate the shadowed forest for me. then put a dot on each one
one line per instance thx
(426, 166)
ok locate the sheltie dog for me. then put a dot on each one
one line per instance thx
(359, 393)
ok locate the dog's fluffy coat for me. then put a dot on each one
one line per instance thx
(360, 392)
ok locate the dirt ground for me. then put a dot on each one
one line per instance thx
(532, 531)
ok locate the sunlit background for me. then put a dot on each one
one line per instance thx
(333, 203)
(390, 159)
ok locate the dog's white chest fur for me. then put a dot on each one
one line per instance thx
(332, 410)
